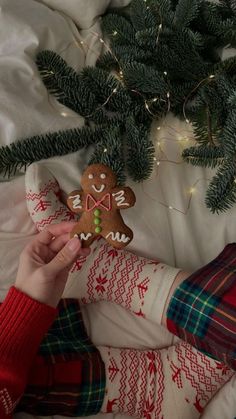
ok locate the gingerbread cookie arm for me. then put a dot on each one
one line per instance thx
(123, 198)
(75, 201)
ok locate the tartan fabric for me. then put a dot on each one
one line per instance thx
(67, 337)
(202, 310)
(68, 376)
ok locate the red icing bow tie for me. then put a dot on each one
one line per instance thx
(104, 202)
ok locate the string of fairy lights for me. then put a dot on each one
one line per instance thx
(179, 138)
(191, 192)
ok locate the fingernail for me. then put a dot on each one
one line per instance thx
(73, 244)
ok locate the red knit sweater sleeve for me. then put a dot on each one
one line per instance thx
(23, 324)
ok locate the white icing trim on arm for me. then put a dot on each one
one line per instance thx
(76, 201)
(120, 198)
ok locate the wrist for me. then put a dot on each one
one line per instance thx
(33, 294)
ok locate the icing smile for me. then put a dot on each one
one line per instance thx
(99, 190)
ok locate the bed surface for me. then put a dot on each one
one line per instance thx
(187, 235)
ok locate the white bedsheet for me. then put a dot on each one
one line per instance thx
(185, 240)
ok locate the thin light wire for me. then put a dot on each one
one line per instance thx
(209, 79)
(171, 207)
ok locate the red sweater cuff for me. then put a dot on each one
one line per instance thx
(23, 324)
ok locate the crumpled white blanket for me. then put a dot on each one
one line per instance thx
(185, 235)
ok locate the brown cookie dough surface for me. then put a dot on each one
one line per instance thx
(100, 202)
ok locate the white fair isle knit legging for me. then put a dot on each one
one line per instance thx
(175, 382)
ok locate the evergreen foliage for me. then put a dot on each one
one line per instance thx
(109, 151)
(165, 55)
(24, 152)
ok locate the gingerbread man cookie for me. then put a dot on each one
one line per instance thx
(100, 203)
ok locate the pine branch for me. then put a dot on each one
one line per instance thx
(145, 79)
(63, 82)
(147, 38)
(140, 151)
(207, 114)
(108, 61)
(186, 12)
(232, 100)
(109, 151)
(163, 11)
(229, 135)
(204, 156)
(221, 194)
(227, 66)
(229, 4)
(141, 15)
(125, 32)
(24, 152)
(128, 53)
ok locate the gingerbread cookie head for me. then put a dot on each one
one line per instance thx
(98, 179)
(100, 202)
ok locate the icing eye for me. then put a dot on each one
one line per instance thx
(90, 176)
(103, 176)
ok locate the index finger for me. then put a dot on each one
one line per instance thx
(54, 230)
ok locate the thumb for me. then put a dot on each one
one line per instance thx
(65, 257)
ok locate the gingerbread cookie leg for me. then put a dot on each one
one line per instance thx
(118, 237)
(85, 235)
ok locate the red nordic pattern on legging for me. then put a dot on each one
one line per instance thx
(119, 277)
(45, 207)
(52, 185)
(140, 389)
(202, 373)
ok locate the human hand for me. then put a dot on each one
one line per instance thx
(45, 263)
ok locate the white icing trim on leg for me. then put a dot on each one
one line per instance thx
(120, 237)
(84, 236)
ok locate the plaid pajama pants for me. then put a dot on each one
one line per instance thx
(68, 376)
(202, 310)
